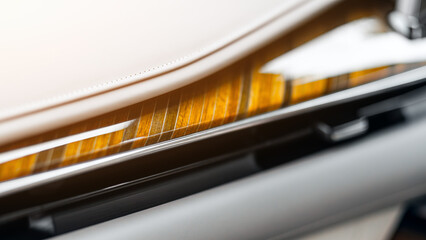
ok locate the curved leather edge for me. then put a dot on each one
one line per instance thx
(61, 115)
(148, 73)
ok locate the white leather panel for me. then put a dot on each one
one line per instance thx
(58, 56)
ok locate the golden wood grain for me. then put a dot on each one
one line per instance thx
(302, 89)
(205, 104)
(234, 93)
(184, 112)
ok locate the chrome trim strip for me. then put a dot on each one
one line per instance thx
(25, 151)
(379, 171)
(403, 79)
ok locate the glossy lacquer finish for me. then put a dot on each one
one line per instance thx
(237, 92)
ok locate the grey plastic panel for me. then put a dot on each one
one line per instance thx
(375, 172)
(379, 225)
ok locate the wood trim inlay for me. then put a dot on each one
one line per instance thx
(236, 92)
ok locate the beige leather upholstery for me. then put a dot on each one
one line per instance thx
(65, 61)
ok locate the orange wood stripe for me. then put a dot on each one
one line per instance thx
(171, 117)
(197, 108)
(131, 130)
(303, 89)
(145, 122)
(9, 169)
(319, 88)
(265, 93)
(297, 91)
(219, 106)
(253, 101)
(87, 145)
(158, 120)
(338, 83)
(114, 142)
(86, 148)
(222, 101)
(116, 137)
(27, 165)
(102, 141)
(234, 98)
(278, 92)
(17, 168)
(364, 76)
(209, 108)
(72, 149)
(43, 160)
(134, 114)
(184, 114)
(245, 94)
(57, 156)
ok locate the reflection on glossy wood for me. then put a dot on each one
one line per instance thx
(203, 105)
(234, 93)
(209, 103)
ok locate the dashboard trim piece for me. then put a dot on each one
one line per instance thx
(285, 202)
(403, 79)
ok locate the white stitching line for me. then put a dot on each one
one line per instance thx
(21, 109)
(101, 86)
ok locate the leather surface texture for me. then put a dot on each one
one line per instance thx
(66, 61)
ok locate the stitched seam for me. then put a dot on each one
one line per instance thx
(23, 109)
